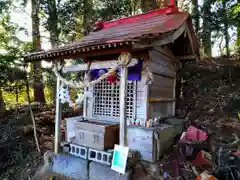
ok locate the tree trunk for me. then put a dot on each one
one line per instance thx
(206, 39)
(238, 35)
(52, 23)
(226, 37)
(87, 16)
(196, 16)
(38, 79)
(153, 4)
(2, 104)
(225, 29)
(54, 36)
(145, 5)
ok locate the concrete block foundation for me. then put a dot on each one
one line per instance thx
(79, 151)
(100, 156)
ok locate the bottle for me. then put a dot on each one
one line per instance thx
(138, 122)
(133, 122)
(155, 121)
(150, 122)
(142, 122)
(128, 122)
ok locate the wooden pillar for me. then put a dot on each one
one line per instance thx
(85, 101)
(123, 90)
(58, 118)
(174, 97)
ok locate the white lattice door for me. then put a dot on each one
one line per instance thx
(106, 101)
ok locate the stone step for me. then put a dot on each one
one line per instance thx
(103, 172)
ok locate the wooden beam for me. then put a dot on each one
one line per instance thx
(83, 54)
(163, 39)
(191, 41)
(164, 75)
(186, 57)
(152, 100)
(123, 92)
(162, 51)
(96, 65)
(169, 37)
(174, 96)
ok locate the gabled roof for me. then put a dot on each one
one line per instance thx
(122, 32)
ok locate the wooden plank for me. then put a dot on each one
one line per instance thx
(96, 65)
(158, 109)
(160, 58)
(164, 52)
(151, 100)
(89, 103)
(157, 92)
(162, 81)
(170, 37)
(142, 94)
(186, 57)
(191, 41)
(174, 96)
(161, 64)
(165, 38)
(161, 70)
(168, 49)
(83, 54)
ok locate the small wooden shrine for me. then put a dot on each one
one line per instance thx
(130, 80)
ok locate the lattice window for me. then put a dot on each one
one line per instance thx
(106, 100)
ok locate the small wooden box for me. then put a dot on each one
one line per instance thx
(97, 135)
(151, 143)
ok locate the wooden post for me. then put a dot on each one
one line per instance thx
(174, 96)
(123, 90)
(58, 118)
(85, 101)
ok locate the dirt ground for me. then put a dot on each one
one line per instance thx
(18, 153)
(211, 97)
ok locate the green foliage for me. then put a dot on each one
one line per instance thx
(10, 97)
(4, 6)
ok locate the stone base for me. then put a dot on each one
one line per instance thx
(103, 172)
(70, 166)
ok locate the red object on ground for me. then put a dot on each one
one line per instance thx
(195, 134)
(203, 158)
(237, 153)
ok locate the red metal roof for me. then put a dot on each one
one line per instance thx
(132, 28)
(127, 29)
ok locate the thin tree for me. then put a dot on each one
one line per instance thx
(206, 35)
(196, 16)
(225, 28)
(38, 79)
